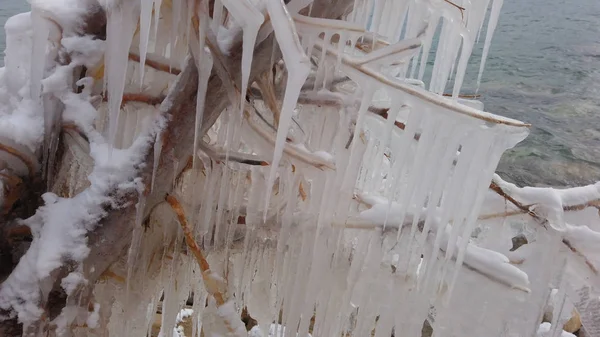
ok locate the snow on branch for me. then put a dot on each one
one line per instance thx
(550, 203)
(548, 206)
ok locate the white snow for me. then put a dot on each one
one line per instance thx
(71, 282)
(21, 119)
(94, 316)
(544, 331)
(178, 329)
(550, 202)
(60, 227)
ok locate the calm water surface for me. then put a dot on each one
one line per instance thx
(544, 69)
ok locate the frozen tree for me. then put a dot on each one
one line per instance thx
(298, 164)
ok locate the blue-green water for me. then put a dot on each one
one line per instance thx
(543, 68)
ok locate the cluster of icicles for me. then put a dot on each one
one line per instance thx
(348, 212)
(305, 248)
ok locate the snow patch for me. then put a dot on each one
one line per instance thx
(545, 331)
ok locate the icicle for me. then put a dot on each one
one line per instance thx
(40, 34)
(38, 55)
(120, 28)
(145, 20)
(493, 22)
(376, 16)
(250, 19)
(189, 6)
(474, 23)
(157, 5)
(481, 17)
(217, 16)
(158, 144)
(474, 202)
(134, 248)
(175, 20)
(427, 41)
(448, 47)
(204, 64)
(298, 67)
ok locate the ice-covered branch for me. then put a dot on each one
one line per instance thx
(60, 227)
(491, 264)
(548, 203)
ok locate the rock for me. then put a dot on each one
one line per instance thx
(574, 323)
(427, 330)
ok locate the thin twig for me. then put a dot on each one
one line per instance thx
(155, 64)
(17, 231)
(138, 97)
(265, 84)
(466, 96)
(11, 150)
(593, 203)
(110, 274)
(237, 157)
(461, 9)
(500, 215)
(302, 192)
(578, 253)
(424, 95)
(288, 149)
(189, 240)
(525, 208)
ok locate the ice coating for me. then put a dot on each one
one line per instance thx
(493, 21)
(362, 209)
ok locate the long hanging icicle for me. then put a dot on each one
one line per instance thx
(176, 7)
(120, 28)
(473, 25)
(493, 22)
(298, 66)
(206, 64)
(250, 18)
(38, 54)
(40, 34)
(145, 20)
(156, 5)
